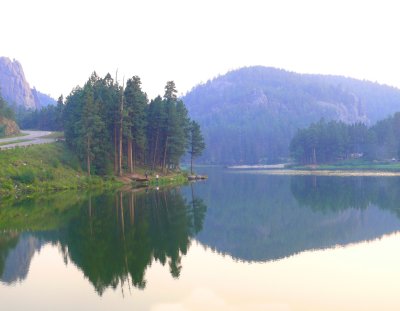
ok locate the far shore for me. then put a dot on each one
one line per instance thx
(342, 173)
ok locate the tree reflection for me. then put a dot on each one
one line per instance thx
(112, 237)
(326, 193)
(118, 236)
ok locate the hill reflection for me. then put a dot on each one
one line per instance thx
(255, 217)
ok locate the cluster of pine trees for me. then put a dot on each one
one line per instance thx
(325, 142)
(114, 128)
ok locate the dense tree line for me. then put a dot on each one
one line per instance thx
(106, 123)
(325, 142)
(48, 118)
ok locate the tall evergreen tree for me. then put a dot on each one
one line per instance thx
(135, 123)
(91, 126)
(156, 117)
(196, 143)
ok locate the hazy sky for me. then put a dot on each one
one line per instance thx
(60, 43)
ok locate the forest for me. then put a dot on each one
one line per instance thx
(115, 128)
(327, 142)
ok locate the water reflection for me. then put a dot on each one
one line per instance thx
(323, 193)
(112, 238)
(255, 217)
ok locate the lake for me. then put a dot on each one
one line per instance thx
(238, 241)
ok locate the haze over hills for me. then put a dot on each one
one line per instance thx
(249, 115)
(16, 90)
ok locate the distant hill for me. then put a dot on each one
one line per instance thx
(249, 115)
(16, 90)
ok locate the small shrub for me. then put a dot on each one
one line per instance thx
(25, 177)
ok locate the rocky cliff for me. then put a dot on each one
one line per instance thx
(16, 90)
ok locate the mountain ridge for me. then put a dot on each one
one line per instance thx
(16, 90)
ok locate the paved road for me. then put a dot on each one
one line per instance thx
(33, 137)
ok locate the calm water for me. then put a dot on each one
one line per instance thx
(239, 241)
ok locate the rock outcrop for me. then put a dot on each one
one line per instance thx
(8, 127)
(16, 90)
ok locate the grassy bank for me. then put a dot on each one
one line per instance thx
(53, 167)
(44, 168)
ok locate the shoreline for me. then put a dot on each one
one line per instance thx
(52, 168)
(316, 172)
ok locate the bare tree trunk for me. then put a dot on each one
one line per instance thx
(165, 154)
(120, 131)
(88, 155)
(191, 163)
(130, 165)
(115, 150)
(134, 156)
(155, 150)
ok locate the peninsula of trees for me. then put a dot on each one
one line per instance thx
(114, 128)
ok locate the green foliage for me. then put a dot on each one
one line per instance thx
(49, 118)
(196, 143)
(25, 176)
(325, 142)
(101, 116)
(5, 110)
(43, 168)
(2, 130)
(135, 120)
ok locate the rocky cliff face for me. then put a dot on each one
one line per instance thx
(8, 127)
(14, 87)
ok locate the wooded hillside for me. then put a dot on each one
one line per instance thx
(251, 114)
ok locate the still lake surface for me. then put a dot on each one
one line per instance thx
(238, 241)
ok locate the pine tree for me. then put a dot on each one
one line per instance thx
(155, 131)
(196, 143)
(135, 123)
(91, 127)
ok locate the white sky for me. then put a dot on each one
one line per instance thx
(60, 43)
